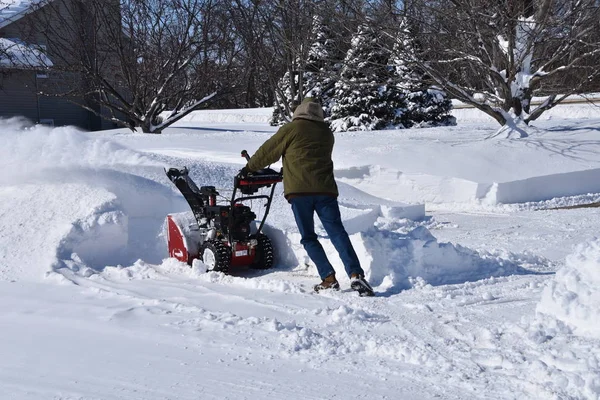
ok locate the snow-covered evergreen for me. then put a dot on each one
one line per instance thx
(378, 90)
(425, 106)
(373, 90)
(283, 100)
(367, 95)
(323, 67)
(318, 75)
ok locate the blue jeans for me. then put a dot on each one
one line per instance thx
(328, 210)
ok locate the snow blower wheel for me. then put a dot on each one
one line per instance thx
(220, 235)
(215, 255)
(263, 259)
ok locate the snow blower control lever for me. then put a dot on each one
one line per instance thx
(221, 235)
(252, 182)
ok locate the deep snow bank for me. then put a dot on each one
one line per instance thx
(131, 229)
(36, 219)
(542, 188)
(66, 194)
(396, 185)
(573, 296)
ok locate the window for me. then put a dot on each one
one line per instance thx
(47, 121)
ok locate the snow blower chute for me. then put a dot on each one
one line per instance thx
(220, 234)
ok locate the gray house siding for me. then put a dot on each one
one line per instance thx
(18, 97)
(18, 94)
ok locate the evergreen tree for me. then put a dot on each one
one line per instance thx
(283, 100)
(318, 75)
(425, 106)
(367, 94)
(322, 67)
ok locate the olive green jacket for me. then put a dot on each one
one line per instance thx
(306, 145)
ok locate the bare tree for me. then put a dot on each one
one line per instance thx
(496, 55)
(147, 63)
(277, 37)
(256, 60)
(276, 32)
(139, 63)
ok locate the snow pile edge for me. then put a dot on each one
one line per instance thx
(573, 296)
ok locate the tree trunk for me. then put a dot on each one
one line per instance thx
(491, 112)
(517, 106)
(148, 127)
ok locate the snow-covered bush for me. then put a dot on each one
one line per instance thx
(573, 297)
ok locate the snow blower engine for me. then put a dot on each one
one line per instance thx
(220, 235)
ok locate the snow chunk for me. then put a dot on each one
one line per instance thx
(573, 297)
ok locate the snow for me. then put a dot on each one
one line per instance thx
(11, 7)
(248, 115)
(485, 290)
(573, 296)
(77, 201)
(17, 54)
(496, 171)
(11, 10)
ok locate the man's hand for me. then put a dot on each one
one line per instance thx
(243, 173)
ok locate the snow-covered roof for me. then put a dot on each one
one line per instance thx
(12, 10)
(17, 54)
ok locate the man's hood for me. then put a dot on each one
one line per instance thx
(309, 109)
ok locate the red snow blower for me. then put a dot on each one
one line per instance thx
(220, 234)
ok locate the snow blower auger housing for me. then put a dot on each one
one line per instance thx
(220, 234)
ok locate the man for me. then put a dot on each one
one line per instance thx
(306, 145)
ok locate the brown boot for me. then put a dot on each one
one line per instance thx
(328, 283)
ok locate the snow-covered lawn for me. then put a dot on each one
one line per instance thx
(484, 290)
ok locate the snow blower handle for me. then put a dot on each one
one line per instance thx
(245, 154)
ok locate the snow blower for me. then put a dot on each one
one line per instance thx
(220, 235)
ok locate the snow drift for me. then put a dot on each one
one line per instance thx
(395, 260)
(36, 220)
(99, 204)
(573, 296)
(67, 194)
(417, 187)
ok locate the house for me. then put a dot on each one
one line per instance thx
(26, 67)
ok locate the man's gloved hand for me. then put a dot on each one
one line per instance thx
(243, 173)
